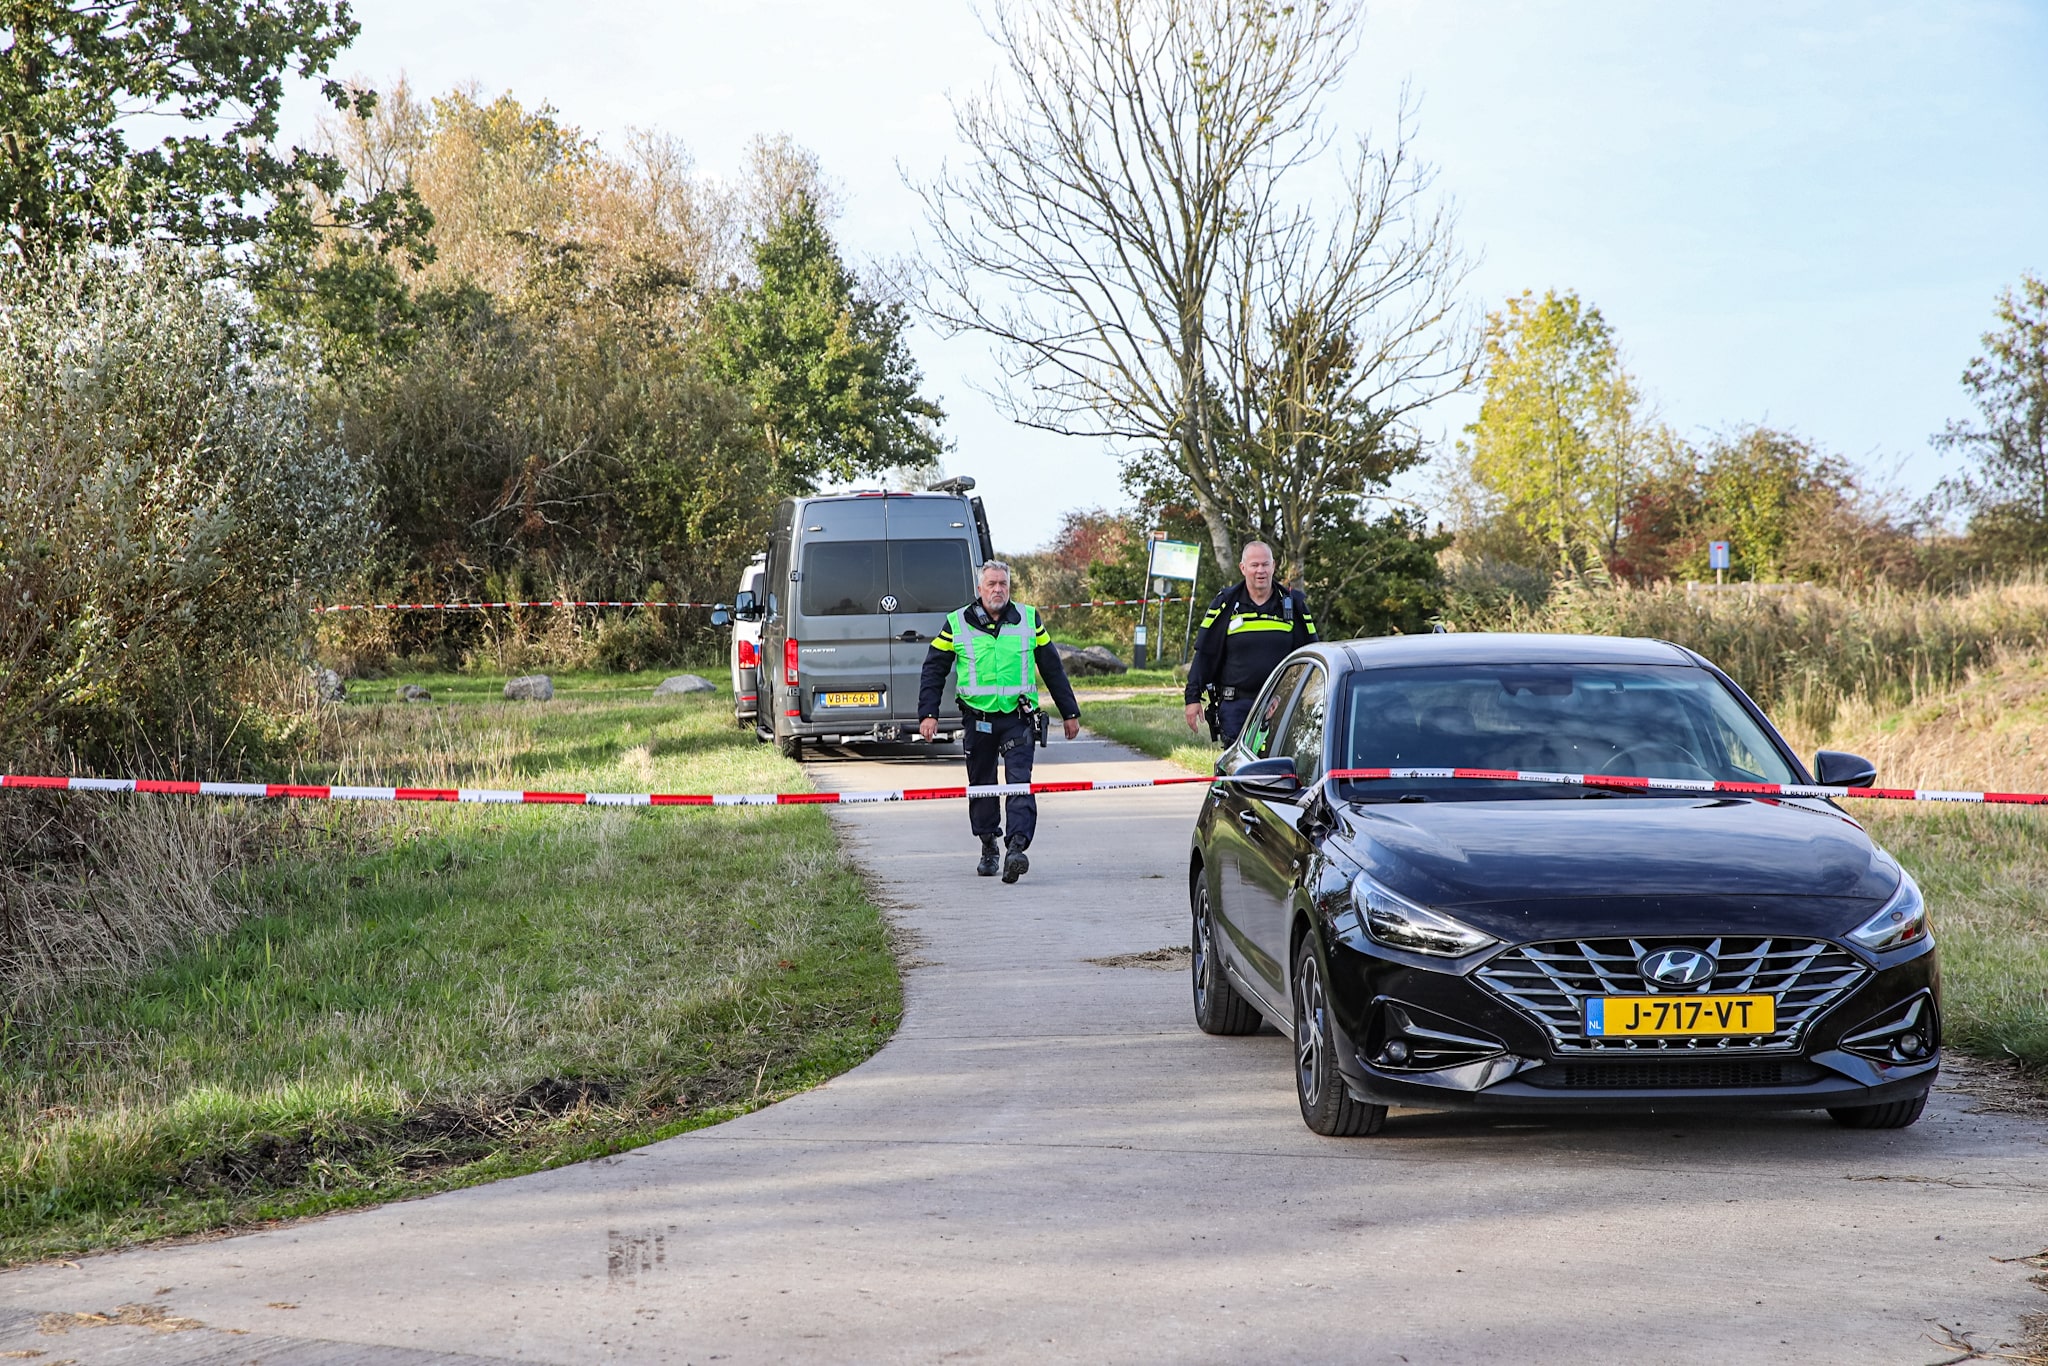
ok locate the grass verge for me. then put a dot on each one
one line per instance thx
(1149, 720)
(1984, 869)
(448, 995)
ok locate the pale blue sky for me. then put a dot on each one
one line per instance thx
(1797, 213)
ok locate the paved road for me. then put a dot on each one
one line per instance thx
(1050, 1163)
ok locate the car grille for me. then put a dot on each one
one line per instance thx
(1677, 1074)
(1550, 981)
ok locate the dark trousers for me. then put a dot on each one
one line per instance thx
(1008, 739)
(1231, 714)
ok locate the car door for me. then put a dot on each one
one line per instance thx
(1276, 855)
(1247, 912)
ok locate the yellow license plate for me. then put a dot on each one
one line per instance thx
(1678, 1017)
(853, 699)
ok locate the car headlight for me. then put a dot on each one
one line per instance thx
(1902, 921)
(1399, 923)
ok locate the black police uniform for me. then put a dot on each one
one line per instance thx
(997, 735)
(1240, 644)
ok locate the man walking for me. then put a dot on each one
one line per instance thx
(1249, 629)
(999, 650)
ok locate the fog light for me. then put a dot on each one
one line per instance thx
(1912, 1046)
(1396, 1052)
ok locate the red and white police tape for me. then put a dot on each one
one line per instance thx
(565, 602)
(483, 606)
(496, 797)
(1701, 785)
(509, 797)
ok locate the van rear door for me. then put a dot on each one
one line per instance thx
(931, 572)
(840, 623)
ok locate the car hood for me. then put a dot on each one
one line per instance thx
(1507, 866)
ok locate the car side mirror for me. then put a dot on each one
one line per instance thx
(1265, 777)
(746, 606)
(721, 615)
(1833, 768)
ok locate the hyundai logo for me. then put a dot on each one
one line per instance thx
(889, 603)
(1677, 968)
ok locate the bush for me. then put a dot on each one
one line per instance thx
(167, 512)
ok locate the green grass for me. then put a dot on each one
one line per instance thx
(1152, 723)
(433, 996)
(1984, 870)
(1985, 873)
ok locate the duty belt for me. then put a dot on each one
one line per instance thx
(976, 713)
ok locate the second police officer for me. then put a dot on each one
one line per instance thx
(1250, 627)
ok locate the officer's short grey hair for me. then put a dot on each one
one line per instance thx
(1248, 550)
(987, 565)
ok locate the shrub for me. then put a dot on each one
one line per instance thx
(167, 513)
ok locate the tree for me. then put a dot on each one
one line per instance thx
(822, 359)
(1124, 233)
(1559, 438)
(77, 78)
(2007, 490)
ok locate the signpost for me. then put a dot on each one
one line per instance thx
(1172, 560)
(1717, 559)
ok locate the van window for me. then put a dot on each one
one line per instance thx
(843, 578)
(850, 578)
(930, 576)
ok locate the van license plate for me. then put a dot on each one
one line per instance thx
(1669, 1017)
(853, 699)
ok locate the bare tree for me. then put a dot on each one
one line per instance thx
(1122, 233)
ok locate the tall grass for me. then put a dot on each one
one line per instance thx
(1803, 652)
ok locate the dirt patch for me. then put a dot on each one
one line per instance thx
(1995, 1085)
(151, 1316)
(1162, 960)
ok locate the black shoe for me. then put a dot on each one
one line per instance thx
(1015, 865)
(991, 860)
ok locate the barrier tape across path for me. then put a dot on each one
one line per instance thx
(508, 797)
(565, 602)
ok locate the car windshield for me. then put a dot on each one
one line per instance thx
(1634, 720)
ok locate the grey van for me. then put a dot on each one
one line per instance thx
(856, 586)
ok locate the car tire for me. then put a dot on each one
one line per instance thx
(791, 746)
(1219, 1008)
(1895, 1114)
(1327, 1105)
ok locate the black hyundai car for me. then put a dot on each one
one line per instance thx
(1444, 942)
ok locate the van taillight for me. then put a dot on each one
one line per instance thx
(789, 661)
(749, 656)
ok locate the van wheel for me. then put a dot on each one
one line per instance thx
(791, 746)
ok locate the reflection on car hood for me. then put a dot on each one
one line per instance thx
(1463, 853)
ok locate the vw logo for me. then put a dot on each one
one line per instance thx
(889, 603)
(1677, 968)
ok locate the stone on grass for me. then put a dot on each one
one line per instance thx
(413, 692)
(530, 688)
(1107, 661)
(328, 687)
(683, 683)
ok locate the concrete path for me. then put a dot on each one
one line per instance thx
(1050, 1163)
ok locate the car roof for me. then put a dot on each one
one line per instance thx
(1508, 647)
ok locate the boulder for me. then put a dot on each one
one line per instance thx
(530, 688)
(328, 687)
(1104, 660)
(683, 683)
(1085, 663)
(413, 692)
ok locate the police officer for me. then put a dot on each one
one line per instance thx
(999, 650)
(1249, 629)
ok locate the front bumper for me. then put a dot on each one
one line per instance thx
(1469, 1048)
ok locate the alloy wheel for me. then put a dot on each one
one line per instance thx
(1310, 1064)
